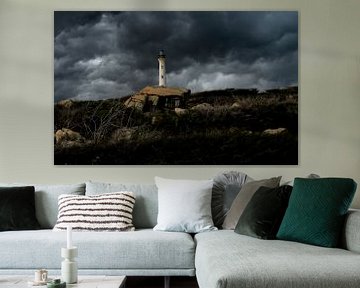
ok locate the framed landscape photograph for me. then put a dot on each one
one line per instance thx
(176, 88)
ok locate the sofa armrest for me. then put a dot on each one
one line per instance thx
(351, 233)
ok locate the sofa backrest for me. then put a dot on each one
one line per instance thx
(146, 203)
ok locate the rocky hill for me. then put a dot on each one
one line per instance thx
(232, 126)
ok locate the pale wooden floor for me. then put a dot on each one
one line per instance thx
(158, 282)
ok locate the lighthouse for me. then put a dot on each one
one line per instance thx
(162, 71)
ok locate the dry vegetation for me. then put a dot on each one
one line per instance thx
(217, 127)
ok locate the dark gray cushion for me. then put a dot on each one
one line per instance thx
(243, 198)
(263, 215)
(46, 200)
(17, 208)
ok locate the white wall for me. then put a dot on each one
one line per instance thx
(329, 82)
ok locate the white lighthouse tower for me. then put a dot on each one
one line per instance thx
(162, 71)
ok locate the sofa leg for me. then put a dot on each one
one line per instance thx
(167, 282)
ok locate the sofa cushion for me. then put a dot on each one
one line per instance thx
(226, 187)
(317, 209)
(138, 250)
(17, 208)
(263, 215)
(146, 205)
(243, 198)
(350, 239)
(105, 212)
(225, 259)
(46, 200)
(184, 205)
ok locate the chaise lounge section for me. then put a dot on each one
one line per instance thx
(225, 259)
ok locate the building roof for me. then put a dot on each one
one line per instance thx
(163, 91)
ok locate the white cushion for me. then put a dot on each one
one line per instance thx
(184, 205)
(105, 212)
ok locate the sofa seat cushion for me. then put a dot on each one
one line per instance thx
(226, 259)
(142, 249)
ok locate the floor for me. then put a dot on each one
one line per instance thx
(158, 282)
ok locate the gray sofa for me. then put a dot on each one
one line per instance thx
(218, 259)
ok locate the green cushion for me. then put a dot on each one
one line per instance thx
(316, 211)
(263, 215)
(17, 208)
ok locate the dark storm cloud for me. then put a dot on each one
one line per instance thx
(112, 54)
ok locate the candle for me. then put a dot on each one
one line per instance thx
(69, 239)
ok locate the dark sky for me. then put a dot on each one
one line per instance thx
(101, 55)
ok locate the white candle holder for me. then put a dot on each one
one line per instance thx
(69, 271)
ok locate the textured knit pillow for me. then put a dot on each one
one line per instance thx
(146, 205)
(105, 212)
(316, 211)
(226, 187)
(17, 208)
(243, 198)
(184, 205)
(263, 215)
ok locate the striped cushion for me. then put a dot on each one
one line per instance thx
(105, 212)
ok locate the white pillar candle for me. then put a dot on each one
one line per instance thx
(69, 237)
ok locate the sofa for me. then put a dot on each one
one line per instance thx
(218, 259)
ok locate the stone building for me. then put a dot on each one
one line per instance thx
(154, 98)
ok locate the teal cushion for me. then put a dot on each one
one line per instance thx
(316, 211)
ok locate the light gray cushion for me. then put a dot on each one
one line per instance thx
(184, 205)
(226, 187)
(46, 200)
(146, 204)
(351, 231)
(225, 259)
(143, 249)
(243, 198)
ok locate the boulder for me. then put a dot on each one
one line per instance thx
(181, 112)
(275, 131)
(67, 104)
(65, 135)
(202, 107)
(235, 105)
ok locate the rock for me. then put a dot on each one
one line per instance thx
(235, 105)
(275, 131)
(181, 112)
(122, 134)
(202, 107)
(68, 135)
(67, 104)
